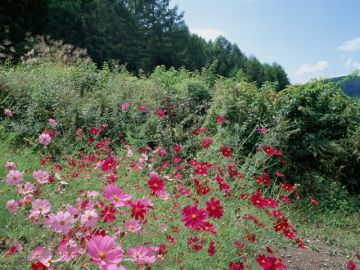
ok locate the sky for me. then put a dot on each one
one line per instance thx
(309, 38)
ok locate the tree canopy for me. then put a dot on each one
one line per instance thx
(139, 33)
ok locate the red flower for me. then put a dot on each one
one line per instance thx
(206, 142)
(313, 201)
(222, 184)
(170, 239)
(214, 209)
(138, 210)
(225, 151)
(177, 148)
(38, 266)
(350, 265)
(263, 179)
(270, 202)
(108, 164)
(193, 217)
(219, 119)
(160, 113)
(271, 151)
(211, 249)
(195, 243)
(239, 244)
(257, 200)
(93, 131)
(108, 213)
(236, 266)
(156, 184)
(200, 170)
(269, 263)
(141, 108)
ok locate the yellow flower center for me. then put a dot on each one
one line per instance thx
(102, 255)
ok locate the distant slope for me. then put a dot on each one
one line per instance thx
(351, 86)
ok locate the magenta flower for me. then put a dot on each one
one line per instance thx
(103, 252)
(40, 207)
(14, 177)
(141, 255)
(116, 195)
(62, 222)
(132, 226)
(44, 139)
(89, 218)
(12, 206)
(8, 112)
(41, 176)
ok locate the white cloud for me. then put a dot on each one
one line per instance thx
(350, 45)
(306, 68)
(350, 63)
(207, 33)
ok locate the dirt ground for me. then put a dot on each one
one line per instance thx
(317, 255)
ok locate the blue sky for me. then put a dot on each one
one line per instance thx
(309, 38)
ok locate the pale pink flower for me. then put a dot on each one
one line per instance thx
(46, 258)
(74, 211)
(36, 253)
(41, 176)
(10, 166)
(16, 246)
(132, 226)
(12, 206)
(44, 139)
(89, 218)
(116, 195)
(141, 255)
(62, 222)
(8, 112)
(40, 207)
(14, 177)
(163, 195)
(124, 106)
(103, 252)
(52, 122)
(33, 217)
(48, 220)
(68, 250)
(25, 188)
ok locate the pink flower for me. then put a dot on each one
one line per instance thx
(36, 253)
(41, 176)
(141, 255)
(25, 188)
(124, 106)
(14, 177)
(132, 226)
(12, 206)
(40, 207)
(103, 252)
(116, 195)
(62, 222)
(44, 139)
(52, 122)
(89, 218)
(10, 166)
(8, 112)
(68, 250)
